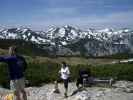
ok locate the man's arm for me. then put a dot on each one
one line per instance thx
(6, 59)
(2, 59)
(68, 71)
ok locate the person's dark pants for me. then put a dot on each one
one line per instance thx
(65, 81)
(79, 81)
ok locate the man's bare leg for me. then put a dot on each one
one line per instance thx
(24, 94)
(17, 94)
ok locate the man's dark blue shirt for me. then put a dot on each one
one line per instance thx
(15, 68)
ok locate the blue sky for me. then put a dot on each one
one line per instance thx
(83, 13)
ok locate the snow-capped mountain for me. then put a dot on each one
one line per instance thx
(74, 41)
(24, 34)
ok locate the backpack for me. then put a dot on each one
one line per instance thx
(84, 72)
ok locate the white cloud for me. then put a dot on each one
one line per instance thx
(122, 18)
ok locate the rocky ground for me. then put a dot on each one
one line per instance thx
(121, 90)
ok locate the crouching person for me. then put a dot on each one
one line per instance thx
(16, 66)
(84, 77)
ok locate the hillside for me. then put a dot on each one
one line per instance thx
(69, 60)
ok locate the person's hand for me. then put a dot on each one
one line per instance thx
(65, 73)
(59, 72)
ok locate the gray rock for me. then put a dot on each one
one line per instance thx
(125, 86)
(122, 91)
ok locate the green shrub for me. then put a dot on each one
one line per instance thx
(121, 71)
(38, 73)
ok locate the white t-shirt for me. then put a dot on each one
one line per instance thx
(64, 72)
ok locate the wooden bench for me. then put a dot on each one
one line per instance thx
(90, 81)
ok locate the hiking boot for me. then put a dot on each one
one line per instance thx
(56, 91)
(65, 94)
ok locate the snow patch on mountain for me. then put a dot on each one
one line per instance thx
(103, 41)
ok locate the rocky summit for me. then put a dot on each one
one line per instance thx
(121, 90)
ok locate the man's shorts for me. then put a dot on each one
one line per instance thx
(17, 85)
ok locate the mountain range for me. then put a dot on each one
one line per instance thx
(68, 40)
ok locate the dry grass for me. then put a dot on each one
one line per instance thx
(74, 60)
(69, 60)
(3, 52)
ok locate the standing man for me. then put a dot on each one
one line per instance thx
(16, 67)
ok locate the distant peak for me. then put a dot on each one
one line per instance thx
(106, 30)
